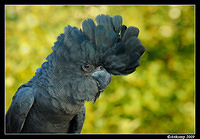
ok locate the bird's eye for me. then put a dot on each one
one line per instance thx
(101, 68)
(87, 67)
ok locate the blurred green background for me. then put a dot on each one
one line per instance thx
(159, 97)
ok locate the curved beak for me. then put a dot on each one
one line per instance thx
(102, 78)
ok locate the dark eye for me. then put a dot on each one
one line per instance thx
(101, 68)
(87, 67)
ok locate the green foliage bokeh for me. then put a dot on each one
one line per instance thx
(159, 97)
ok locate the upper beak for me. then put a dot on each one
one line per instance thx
(102, 78)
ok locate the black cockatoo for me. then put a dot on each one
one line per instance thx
(78, 70)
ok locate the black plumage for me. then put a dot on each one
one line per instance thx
(78, 70)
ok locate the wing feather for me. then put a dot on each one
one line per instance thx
(19, 109)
